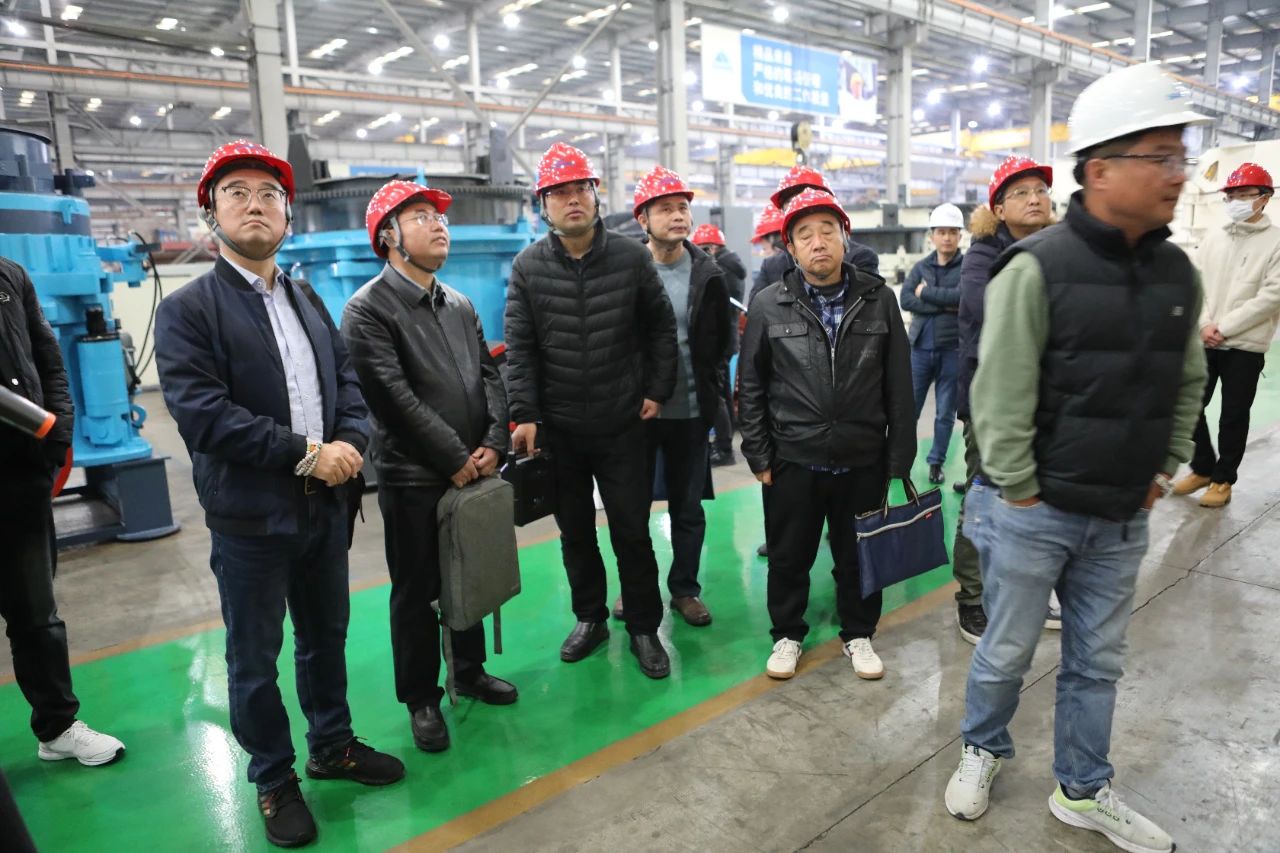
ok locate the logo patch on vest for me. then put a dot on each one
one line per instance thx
(1177, 311)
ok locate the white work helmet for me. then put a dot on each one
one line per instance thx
(1133, 99)
(946, 216)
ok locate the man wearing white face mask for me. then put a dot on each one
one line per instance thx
(1240, 265)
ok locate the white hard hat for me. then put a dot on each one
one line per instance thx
(1133, 99)
(946, 216)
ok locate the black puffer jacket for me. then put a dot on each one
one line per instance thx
(587, 340)
(29, 354)
(802, 402)
(990, 238)
(431, 385)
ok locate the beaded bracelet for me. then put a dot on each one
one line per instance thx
(307, 466)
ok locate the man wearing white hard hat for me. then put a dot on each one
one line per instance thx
(932, 294)
(1090, 371)
(1240, 263)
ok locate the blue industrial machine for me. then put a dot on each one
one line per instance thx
(330, 246)
(44, 226)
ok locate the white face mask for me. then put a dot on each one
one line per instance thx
(1240, 209)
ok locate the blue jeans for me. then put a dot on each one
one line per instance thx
(1093, 564)
(257, 576)
(940, 367)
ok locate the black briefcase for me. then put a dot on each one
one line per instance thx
(534, 481)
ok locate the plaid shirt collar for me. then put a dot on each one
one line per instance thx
(830, 309)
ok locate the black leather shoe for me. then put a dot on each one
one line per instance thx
(763, 550)
(430, 734)
(582, 641)
(935, 474)
(959, 487)
(721, 458)
(286, 816)
(357, 761)
(486, 688)
(652, 656)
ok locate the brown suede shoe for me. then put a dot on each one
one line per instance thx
(1218, 496)
(1193, 482)
(692, 609)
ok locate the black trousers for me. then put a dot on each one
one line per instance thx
(37, 636)
(683, 443)
(1238, 371)
(413, 559)
(795, 507)
(723, 423)
(617, 464)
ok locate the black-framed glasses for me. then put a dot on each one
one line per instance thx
(424, 217)
(1172, 164)
(268, 196)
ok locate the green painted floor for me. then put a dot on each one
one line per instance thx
(182, 785)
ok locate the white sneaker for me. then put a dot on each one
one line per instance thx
(782, 663)
(969, 790)
(1054, 620)
(1105, 813)
(83, 744)
(866, 663)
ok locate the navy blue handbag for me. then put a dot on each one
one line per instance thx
(900, 542)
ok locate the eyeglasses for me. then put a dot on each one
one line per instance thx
(424, 217)
(1172, 164)
(564, 192)
(1243, 195)
(269, 196)
(1024, 193)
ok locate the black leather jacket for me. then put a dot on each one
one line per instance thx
(803, 401)
(432, 387)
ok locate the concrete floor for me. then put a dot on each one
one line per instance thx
(828, 762)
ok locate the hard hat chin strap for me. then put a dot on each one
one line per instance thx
(398, 245)
(211, 220)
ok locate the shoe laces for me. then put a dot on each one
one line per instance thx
(788, 649)
(1110, 804)
(271, 802)
(975, 768)
(860, 649)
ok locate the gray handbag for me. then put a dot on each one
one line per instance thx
(479, 563)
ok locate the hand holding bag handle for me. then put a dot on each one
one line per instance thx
(908, 486)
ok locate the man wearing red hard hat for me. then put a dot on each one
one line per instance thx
(1240, 266)
(258, 380)
(439, 421)
(827, 414)
(710, 239)
(795, 181)
(695, 285)
(1018, 205)
(591, 355)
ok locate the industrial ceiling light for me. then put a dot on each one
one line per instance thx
(993, 109)
(981, 64)
(934, 97)
(222, 113)
(972, 125)
(361, 133)
(579, 61)
(653, 45)
(16, 28)
(773, 115)
(917, 114)
(1240, 82)
(453, 139)
(441, 41)
(72, 13)
(690, 77)
(167, 24)
(502, 83)
(780, 13)
(606, 94)
(698, 106)
(511, 20)
(217, 51)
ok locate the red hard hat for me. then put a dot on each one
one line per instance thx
(707, 235)
(799, 177)
(659, 182)
(232, 154)
(563, 164)
(1011, 168)
(807, 202)
(770, 223)
(392, 196)
(1249, 175)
